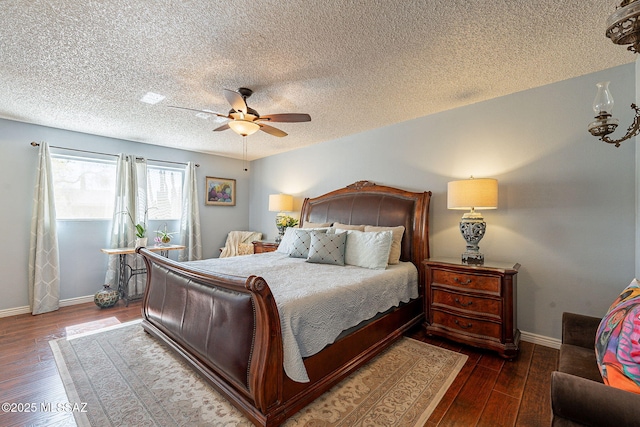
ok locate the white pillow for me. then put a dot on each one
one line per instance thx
(396, 248)
(286, 241)
(368, 249)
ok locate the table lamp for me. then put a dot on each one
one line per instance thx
(280, 203)
(474, 194)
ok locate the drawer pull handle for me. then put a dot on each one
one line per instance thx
(463, 304)
(467, 326)
(466, 282)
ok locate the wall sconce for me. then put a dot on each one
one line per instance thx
(280, 203)
(623, 25)
(481, 193)
(604, 123)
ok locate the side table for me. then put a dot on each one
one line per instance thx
(262, 246)
(473, 304)
(126, 271)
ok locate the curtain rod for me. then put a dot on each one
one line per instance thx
(35, 144)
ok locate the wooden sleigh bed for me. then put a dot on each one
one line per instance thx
(228, 328)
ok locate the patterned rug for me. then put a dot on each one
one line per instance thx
(120, 376)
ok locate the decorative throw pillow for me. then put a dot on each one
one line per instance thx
(245, 248)
(299, 246)
(617, 341)
(396, 242)
(327, 248)
(368, 249)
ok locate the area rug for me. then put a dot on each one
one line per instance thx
(121, 376)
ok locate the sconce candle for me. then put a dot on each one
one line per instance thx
(604, 124)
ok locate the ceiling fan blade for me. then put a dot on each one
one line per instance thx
(221, 128)
(272, 131)
(213, 113)
(236, 100)
(287, 117)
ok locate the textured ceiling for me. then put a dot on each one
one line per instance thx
(352, 65)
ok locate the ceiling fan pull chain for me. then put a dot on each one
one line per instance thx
(244, 154)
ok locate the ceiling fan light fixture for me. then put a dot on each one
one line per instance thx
(244, 127)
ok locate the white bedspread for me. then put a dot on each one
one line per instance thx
(316, 302)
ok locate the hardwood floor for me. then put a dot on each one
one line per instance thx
(492, 392)
(488, 391)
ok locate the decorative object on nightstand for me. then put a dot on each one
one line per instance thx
(473, 193)
(281, 203)
(473, 304)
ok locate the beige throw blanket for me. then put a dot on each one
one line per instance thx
(239, 243)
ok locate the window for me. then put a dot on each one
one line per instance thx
(84, 188)
(164, 192)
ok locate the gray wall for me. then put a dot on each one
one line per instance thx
(82, 264)
(566, 201)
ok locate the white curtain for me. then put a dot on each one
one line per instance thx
(190, 221)
(44, 266)
(130, 208)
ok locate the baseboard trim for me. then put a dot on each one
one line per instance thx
(524, 336)
(63, 303)
(540, 339)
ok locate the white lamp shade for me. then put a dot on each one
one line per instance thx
(280, 203)
(474, 193)
(244, 127)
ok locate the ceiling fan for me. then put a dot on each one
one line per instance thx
(245, 121)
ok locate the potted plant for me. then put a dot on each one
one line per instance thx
(141, 229)
(163, 237)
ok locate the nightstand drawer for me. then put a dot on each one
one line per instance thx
(468, 325)
(472, 304)
(467, 281)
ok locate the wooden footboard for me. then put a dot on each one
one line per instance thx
(226, 327)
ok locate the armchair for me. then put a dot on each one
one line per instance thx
(578, 395)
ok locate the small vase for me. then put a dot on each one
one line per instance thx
(106, 297)
(281, 230)
(141, 241)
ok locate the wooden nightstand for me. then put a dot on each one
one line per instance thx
(473, 304)
(262, 246)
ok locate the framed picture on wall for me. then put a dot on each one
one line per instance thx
(220, 192)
